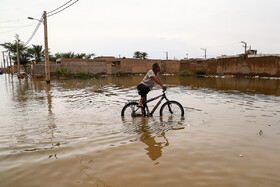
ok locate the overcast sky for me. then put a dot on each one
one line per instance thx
(121, 27)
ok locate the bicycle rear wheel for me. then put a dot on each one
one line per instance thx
(131, 110)
(172, 110)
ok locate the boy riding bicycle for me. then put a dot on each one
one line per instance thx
(148, 83)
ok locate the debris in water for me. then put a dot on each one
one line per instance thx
(240, 155)
(261, 133)
(82, 139)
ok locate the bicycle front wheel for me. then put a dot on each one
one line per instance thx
(172, 110)
(131, 110)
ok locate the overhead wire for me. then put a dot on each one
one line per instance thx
(62, 9)
(16, 20)
(13, 29)
(15, 26)
(59, 7)
(51, 13)
(13, 20)
(34, 32)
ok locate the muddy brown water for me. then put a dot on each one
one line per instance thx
(70, 133)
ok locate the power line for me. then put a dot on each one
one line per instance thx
(59, 7)
(13, 30)
(34, 32)
(63, 8)
(51, 13)
(15, 26)
(13, 20)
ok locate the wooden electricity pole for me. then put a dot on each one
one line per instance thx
(18, 68)
(4, 59)
(47, 63)
(8, 69)
(13, 66)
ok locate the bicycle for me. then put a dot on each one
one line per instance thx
(168, 109)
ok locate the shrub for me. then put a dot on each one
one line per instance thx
(68, 74)
(200, 73)
(61, 72)
(185, 73)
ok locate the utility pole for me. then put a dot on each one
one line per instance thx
(167, 55)
(8, 70)
(13, 66)
(204, 49)
(4, 59)
(18, 68)
(245, 46)
(47, 63)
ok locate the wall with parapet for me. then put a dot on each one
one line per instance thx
(84, 65)
(130, 65)
(39, 69)
(252, 66)
(74, 65)
(262, 66)
(198, 65)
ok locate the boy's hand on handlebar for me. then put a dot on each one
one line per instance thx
(164, 87)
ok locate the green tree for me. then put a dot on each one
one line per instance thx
(144, 55)
(140, 55)
(37, 52)
(24, 53)
(68, 55)
(89, 56)
(137, 54)
(73, 55)
(84, 55)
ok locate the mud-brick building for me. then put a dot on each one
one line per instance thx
(249, 65)
(252, 65)
(108, 65)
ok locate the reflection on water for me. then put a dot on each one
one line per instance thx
(152, 133)
(242, 85)
(70, 133)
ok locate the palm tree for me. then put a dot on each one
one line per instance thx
(89, 56)
(144, 55)
(37, 52)
(137, 54)
(84, 55)
(68, 55)
(24, 55)
(140, 55)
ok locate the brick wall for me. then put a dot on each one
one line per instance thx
(262, 66)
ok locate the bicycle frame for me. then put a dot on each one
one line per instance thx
(162, 96)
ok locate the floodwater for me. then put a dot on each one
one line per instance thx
(70, 133)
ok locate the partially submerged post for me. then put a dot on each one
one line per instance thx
(47, 63)
(18, 66)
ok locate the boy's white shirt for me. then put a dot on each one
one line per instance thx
(148, 81)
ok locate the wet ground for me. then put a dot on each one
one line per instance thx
(70, 133)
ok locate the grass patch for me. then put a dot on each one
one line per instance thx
(79, 75)
(220, 74)
(184, 73)
(200, 74)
